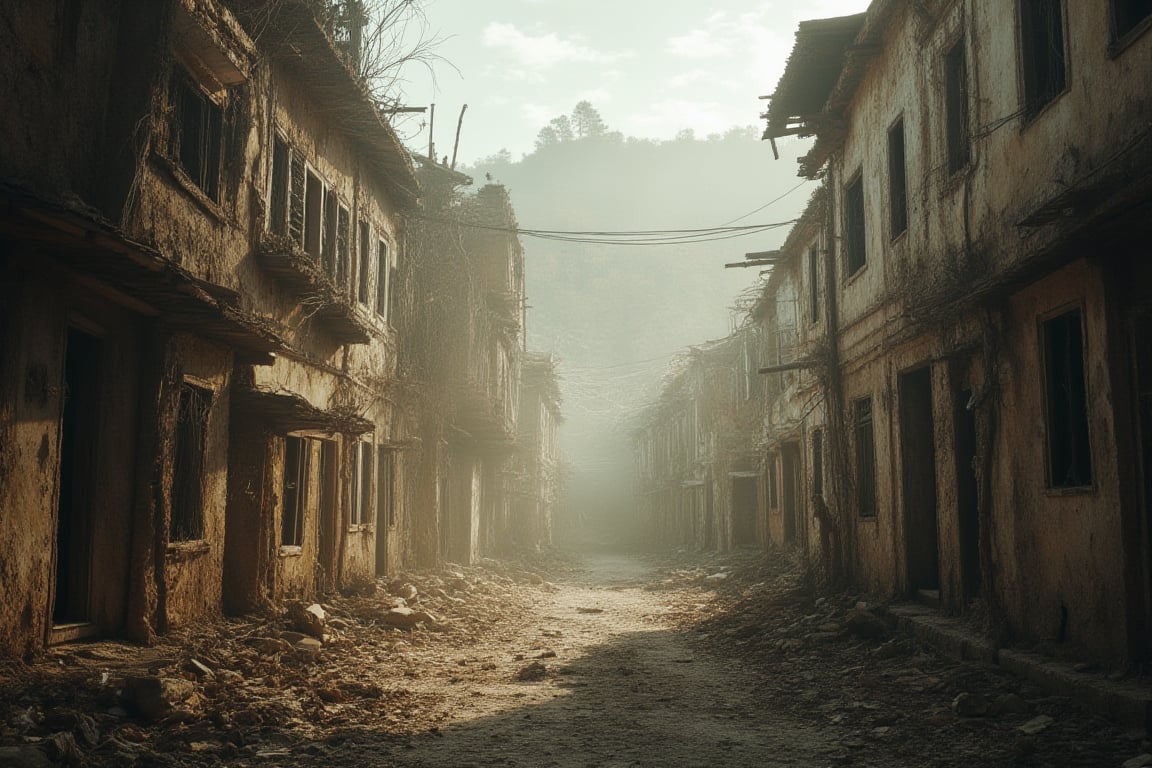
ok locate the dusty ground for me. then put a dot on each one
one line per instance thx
(605, 660)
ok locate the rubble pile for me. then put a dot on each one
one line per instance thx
(835, 660)
(258, 686)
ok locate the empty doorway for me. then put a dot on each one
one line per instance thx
(744, 509)
(78, 451)
(967, 502)
(790, 491)
(918, 459)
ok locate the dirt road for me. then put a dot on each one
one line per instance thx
(625, 688)
(589, 662)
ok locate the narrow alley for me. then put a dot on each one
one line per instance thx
(593, 660)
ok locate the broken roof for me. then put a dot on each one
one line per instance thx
(811, 73)
(820, 80)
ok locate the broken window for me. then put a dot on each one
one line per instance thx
(814, 284)
(382, 267)
(328, 225)
(897, 181)
(343, 246)
(313, 205)
(364, 274)
(187, 520)
(1127, 14)
(1042, 52)
(817, 463)
(385, 483)
(865, 458)
(362, 471)
(195, 132)
(956, 105)
(296, 192)
(854, 234)
(278, 200)
(297, 460)
(1069, 452)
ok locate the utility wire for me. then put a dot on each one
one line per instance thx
(625, 237)
(770, 202)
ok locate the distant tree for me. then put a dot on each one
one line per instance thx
(586, 121)
(547, 137)
(563, 127)
(686, 134)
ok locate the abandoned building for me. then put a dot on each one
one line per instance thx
(536, 464)
(203, 290)
(956, 333)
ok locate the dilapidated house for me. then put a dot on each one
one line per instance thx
(536, 465)
(461, 364)
(988, 168)
(198, 242)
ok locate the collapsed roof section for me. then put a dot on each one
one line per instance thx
(824, 70)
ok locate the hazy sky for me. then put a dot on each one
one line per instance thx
(651, 67)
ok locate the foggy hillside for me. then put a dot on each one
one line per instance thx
(615, 315)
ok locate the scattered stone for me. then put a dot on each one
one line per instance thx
(270, 646)
(821, 638)
(1036, 724)
(589, 610)
(531, 672)
(309, 619)
(829, 626)
(406, 618)
(716, 578)
(970, 705)
(404, 590)
(547, 655)
(199, 669)
(155, 698)
(292, 637)
(1140, 761)
(62, 748)
(307, 647)
(865, 624)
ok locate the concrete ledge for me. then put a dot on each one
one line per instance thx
(942, 633)
(1127, 703)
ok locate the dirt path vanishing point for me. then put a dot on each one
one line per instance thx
(625, 688)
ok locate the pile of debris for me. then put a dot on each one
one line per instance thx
(255, 686)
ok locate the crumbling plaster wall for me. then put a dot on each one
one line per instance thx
(1058, 552)
(35, 310)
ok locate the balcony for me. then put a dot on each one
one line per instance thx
(332, 307)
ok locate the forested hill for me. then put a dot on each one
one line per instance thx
(613, 314)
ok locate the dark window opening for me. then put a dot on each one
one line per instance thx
(382, 279)
(817, 463)
(897, 181)
(195, 133)
(1069, 452)
(313, 203)
(365, 272)
(187, 523)
(1044, 59)
(278, 200)
(854, 232)
(814, 284)
(865, 459)
(1127, 14)
(956, 105)
(362, 467)
(385, 484)
(297, 461)
(328, 225)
